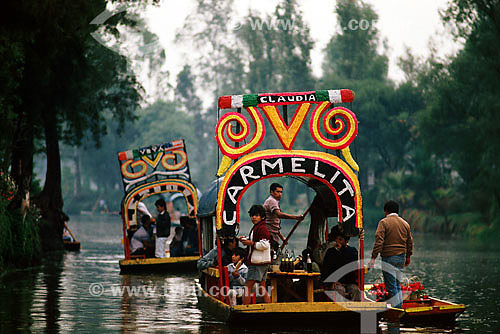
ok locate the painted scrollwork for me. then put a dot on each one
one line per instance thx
(346, 125)
(226, 127)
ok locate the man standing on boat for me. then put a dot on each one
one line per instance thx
(393, 241)
(274, 215)
(162, 228)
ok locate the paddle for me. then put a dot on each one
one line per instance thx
(291, 232)
(67, 228)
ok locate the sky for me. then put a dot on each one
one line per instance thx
(403, 23)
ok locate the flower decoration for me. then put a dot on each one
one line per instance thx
(412, 290)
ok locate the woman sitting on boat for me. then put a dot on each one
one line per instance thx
(210, 259)
(141, 242)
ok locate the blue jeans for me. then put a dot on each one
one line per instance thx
(391, 269)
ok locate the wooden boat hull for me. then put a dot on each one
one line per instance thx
(290, 313)
(429, 311)
(159, 265)
(72, 246)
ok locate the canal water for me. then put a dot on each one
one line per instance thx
(83, 292)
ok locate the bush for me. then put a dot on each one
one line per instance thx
(19, 238)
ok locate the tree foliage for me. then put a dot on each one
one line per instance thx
(461, 122)
(66, 83)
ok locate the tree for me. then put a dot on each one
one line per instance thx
(461, 123)
(68, 83)
(352, 52)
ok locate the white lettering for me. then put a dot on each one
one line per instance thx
(232, 191)
(271, 99)
(281, 99)
(312, 97)
(349, 212)
(334, 177)
(316, 163)
(265, 164)
(296, 164)
(299, 98)
(229, 222)
(246, 172)
(347, 187)
(263, 99)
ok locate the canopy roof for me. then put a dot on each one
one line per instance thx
(208, 201)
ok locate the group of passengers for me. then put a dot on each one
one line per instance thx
(392, 237)
(265, 238)
(152, 236)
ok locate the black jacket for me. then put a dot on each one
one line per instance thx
(337, 258)
(163, 225)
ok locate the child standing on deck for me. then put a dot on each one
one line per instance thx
(259, 253)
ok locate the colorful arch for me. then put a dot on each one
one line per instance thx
(324, 167)
(129, 204)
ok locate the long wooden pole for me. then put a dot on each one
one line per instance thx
(70, 233)
(293, 230)
(361, 267)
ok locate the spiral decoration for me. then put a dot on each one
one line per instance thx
(133, 175)
(226, 127)
(346, 123)
(171, 156)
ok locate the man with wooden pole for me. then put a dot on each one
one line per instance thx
(274, 215)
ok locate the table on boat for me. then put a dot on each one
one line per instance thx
(276, 276)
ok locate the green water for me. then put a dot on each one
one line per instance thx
(64, 295)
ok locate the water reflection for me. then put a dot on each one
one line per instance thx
(56, 297)
(51, 279)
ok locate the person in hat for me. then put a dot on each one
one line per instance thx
(336, 258)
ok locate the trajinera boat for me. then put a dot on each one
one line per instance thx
(331, 129)
(151, 171)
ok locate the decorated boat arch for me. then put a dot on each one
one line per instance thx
(333, 128)
(325, 165)
(152, 171)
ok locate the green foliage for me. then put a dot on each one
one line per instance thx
(352, 53)
(461, 123)
(19, 240)
(62, 86)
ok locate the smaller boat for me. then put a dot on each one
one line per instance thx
(153, 171)
(429, 311)
(417, 306)
(69, 241)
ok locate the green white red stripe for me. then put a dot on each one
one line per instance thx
(127, 155)
(254, 100)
